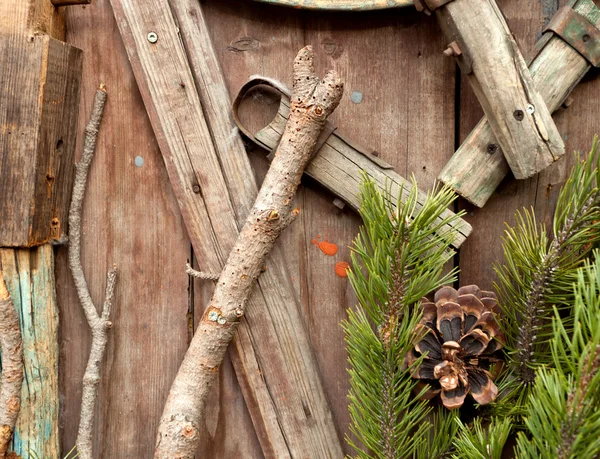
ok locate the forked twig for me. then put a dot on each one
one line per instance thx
(99, 322)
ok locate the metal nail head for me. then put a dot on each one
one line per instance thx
(152, 37)
(530, 109)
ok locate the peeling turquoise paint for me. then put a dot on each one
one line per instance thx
(29, 276)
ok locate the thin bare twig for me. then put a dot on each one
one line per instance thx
(12, 367)
(99, 322)
(311, 103)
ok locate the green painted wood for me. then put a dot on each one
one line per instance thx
(29, 276)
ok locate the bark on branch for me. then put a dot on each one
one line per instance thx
(313, 100)
(99, 322)
(12, 367)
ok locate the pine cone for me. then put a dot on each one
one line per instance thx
(460, 337)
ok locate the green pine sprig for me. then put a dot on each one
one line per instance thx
(398, 257)
(563, 408)
(538, 274)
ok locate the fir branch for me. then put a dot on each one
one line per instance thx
(538, 273)
(564, 406)
(482, 442)
(398, 257)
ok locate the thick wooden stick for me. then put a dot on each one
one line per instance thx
(489, 56)
(478, 166)
(312, 102)
(99, 322)
(12, 367)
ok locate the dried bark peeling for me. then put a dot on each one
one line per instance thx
(99, 323)
(313, 100)
(12, 368)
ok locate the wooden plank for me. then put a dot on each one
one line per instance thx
(29, 276)
(517, 114)
(39, 103)
(342, 5)
(32, 17)
(478, 166)
(340, 164)
(286, 399)
(131, 218)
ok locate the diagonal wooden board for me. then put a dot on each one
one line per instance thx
(340, 163)
(215, 187)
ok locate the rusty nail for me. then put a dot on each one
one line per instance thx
(152, 37)
(196, 189)
(492, 148)
(519, 115)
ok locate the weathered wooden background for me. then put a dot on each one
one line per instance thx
(402, 99)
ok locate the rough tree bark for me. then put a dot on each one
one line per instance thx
(313, 100)
(99, 322)
(12, 367)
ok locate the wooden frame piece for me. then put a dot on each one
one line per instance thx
(516, 112)
(478, 166)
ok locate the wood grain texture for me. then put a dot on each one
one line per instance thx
(32, 17)
(475, 170)
(130, 218)
(291, 414)
(39, 103)
(578, 125)
(29, 275)
(516, 112)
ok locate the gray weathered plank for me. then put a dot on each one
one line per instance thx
(478, 166)
(215, 187)
(497, 72)
(39, 102)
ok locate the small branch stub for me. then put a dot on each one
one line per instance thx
(312, 101)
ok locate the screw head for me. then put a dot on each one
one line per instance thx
(221, 320)
(519, 115)
(530, 109)
(586, 37)
(196, 189)
(152, 37)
